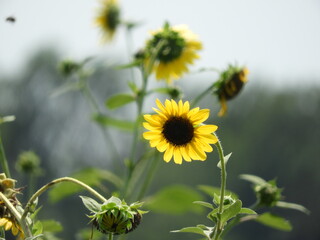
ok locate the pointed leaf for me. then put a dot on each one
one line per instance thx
(91, 204)
(51, 226)
(253, 179)
(292, 206)
(205, 204)
(247, 211)
(108, 121)
(119, 100)
(274, 221)
(226, 159)
(175, 199)
(231, 211)
(196, 230)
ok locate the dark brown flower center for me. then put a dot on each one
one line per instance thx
(178, 131)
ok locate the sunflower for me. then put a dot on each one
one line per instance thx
(178, 131)
(178, 48)
(229, 85)
(8, 223)
(108, 18)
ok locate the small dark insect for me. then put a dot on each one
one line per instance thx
(11, 19)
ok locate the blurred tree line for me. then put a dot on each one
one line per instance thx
(272, 133)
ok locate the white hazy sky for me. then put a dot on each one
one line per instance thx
(279, 39)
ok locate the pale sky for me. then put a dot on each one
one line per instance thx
(278, 39)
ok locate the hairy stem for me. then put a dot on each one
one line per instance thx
(219, 226)
(54, 182)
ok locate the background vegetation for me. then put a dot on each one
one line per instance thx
(271, 132)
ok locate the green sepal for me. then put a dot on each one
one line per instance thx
(91, 204)
(274, 221)
(253, 179)
(119, 100)
(294, 206)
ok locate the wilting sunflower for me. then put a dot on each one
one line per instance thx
(11, 224)
(178, 131)
(178, 48)
(229, 85)
(108, 18)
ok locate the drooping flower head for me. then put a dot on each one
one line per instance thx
(229, 85)
(178, 131)
(114, 216)
(108, 18)
(176, 47)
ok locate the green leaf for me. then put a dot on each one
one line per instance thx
(108, 121)
(34, 237)
(292, 206)
(175, 199)
(247, 211)
(91, 204)
(135, 63)
(133, 87)
(231, 211)
(211, 191)
(67, 87)
(119, 100)
(5, 119)
(274, 221)
(253, 179)
(205, 204)
(196, 230)
(51, 226)
(226, 159)
(37, 228)
(90, 176)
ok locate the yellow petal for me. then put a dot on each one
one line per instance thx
(177, 155)
(151, 135)
(206, 129)
(3, 221)
(185, 154)
(8, 225)
(168, 153)
(200, 116)
(208, 138)
(162, 146)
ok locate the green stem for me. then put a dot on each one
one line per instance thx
(236, 220)
(17, 215)
(201, 96)
(219, 226)
(3, 160)
(110, 236)
(96, 109)
(150, 175)
(54, 182)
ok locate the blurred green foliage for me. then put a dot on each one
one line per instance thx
(271, 133)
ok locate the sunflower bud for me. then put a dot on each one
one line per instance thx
(28, 163)
(268, 194)
(68, 67)
(114, 216)
(229, 85)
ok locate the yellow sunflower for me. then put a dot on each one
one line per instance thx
(178, 131)
(108, 18)
(8, 223)
(178, 49)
